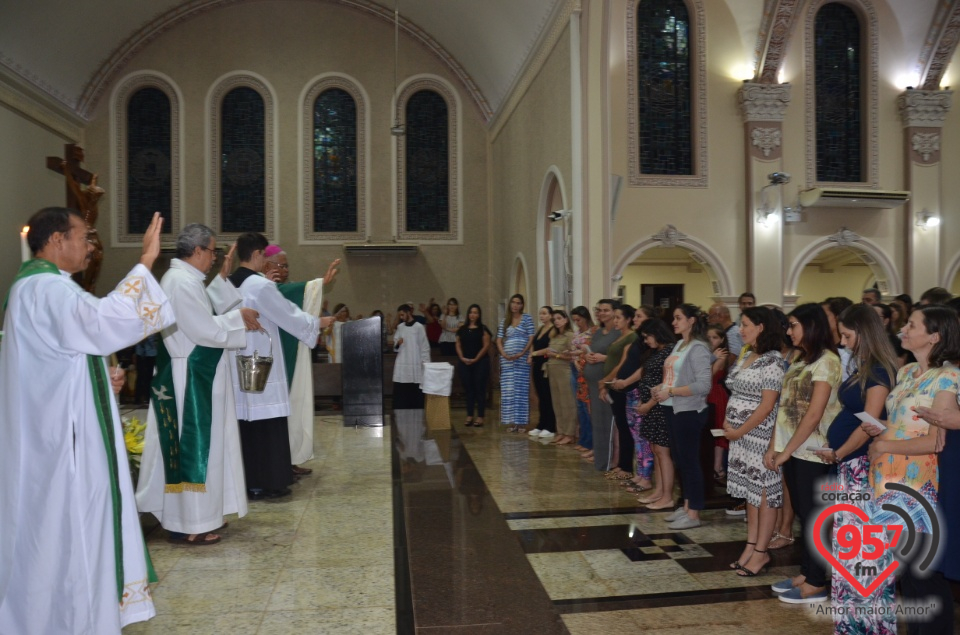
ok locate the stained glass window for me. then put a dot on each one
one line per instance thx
(242, 171)
(148, 159)
(838, 94)
(335, 162)
(664, 85)
(427, 163)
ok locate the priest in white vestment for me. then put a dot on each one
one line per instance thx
(72, 554)
(191, 474)
(413, 351)
(263, 415)
(297, 357)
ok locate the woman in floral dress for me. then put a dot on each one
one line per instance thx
(906, 452)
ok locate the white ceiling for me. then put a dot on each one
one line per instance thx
(59, 46)
(490, 39)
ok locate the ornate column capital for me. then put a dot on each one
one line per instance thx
(924, 108)
(763, 102)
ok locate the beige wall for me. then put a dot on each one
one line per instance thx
(696, 286)
(848, 282)
(26, 182)
(535, 137)
(289, 43)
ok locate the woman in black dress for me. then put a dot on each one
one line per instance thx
(473, 348)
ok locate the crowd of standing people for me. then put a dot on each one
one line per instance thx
(633, 390)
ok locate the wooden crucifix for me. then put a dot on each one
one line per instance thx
(83, 194)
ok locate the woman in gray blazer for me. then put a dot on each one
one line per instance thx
(686, 384)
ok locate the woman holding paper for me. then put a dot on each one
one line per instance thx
(874, 364)
(808, 404)
(906, 451)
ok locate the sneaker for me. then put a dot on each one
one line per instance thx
(793, 597)
(737, 510)
(684, 522)
(546, 434)
(535, 432)
(783, 586)
(676, 515)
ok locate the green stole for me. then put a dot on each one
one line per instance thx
(185, 453)
(292, 291)
(102, 401)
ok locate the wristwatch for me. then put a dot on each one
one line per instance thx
(670, 391)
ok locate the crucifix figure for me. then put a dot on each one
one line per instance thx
(83, 194)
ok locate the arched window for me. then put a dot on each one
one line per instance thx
(666, 90)
(241, 156)
(148, 158)
(839, 94)
(427, 158)
(663, 64)
(242, 176)
(146, 119)
(428, 199)
(335, 162)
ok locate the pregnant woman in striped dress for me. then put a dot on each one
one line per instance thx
(514, 339)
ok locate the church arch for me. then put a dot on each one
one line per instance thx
(721, 284)
(218, 91)
(887, 278)
(125, 165)
(554, 268)
(314, 89)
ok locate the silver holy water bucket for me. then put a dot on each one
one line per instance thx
(254, 370)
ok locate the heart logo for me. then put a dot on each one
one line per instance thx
(827, 553)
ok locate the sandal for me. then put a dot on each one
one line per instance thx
(744, 572)
(199, 540)
(778, 536)
(468, 423)
(478, 424)
(638, 489)
(736, 564)
(620, 476)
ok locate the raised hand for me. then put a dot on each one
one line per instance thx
(151, 241)
(332, 272)
(227, 266)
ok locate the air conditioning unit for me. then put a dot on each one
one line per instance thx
(851, 197)
(380, 249)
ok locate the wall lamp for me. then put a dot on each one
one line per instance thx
(926, 220)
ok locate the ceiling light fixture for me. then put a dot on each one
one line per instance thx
(926, 220)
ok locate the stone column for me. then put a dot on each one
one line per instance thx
(763, 107)
(923, 113)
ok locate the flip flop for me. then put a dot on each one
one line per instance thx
(200, 540)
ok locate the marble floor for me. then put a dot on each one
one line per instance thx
(407, 529)
(319, 561)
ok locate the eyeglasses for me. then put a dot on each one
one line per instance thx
(212, 251)
(791, 325)
(281, 266)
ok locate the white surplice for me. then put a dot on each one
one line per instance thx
(276, 312)
(192, 512)
(57, 560)
(412, 354)
(300, 420)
